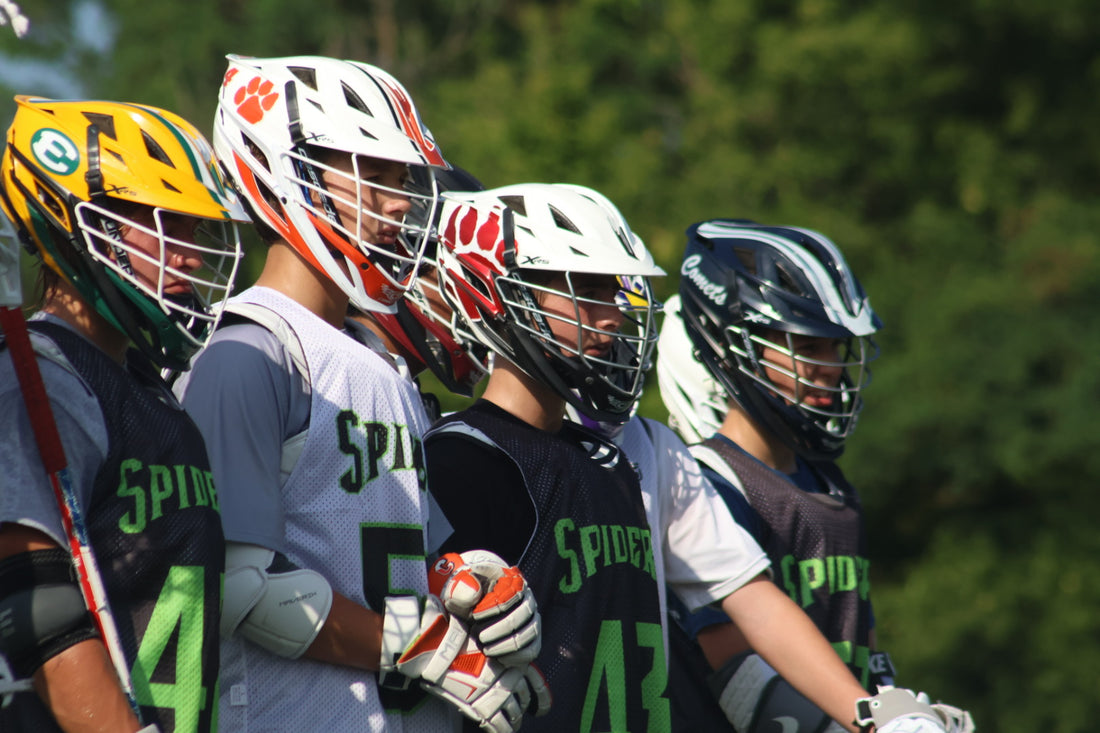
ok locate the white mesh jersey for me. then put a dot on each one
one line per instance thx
(704, 555)
(356, 510)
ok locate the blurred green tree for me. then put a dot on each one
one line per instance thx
(949, 148)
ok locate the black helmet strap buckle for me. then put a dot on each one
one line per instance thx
(94, 176)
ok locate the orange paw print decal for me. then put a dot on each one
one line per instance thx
(254, 99)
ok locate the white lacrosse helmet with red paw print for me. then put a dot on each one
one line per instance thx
(278, 119)
(499, 249)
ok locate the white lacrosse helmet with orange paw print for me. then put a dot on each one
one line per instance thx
(278, 123)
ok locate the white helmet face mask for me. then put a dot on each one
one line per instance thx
(394, 246)
(501, 253)
(194, 298)
(281, 124)
(425, 327)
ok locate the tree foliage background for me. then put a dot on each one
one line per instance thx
(951, 148)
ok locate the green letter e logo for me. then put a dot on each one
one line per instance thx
(55, 152)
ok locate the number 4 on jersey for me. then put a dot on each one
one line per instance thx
(175, 608)
(609, 674)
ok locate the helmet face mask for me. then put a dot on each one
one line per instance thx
(822, 390)
(184, 273)
(315, 146)
(780, 322)
(427, 330)
(425, 326)
(361, 217)
(550, 277)
(599, 348)
(126, 204)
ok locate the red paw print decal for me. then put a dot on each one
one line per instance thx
(255, 98)
(475, 229)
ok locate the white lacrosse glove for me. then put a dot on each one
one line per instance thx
(897, 710)
(420, 640)
(955, 720)
(495, 599)
(491, 694)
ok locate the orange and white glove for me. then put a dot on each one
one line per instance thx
(421, 641)
(418, 638)
(491, 694)
(495, 600)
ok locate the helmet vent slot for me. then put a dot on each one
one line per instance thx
(563, 221)
(515, 203)
(747, 258)
(625, 242)
(787, 281)
(105, 123)
(305, 75)
(155, 150)
(257, 153)
(367, 134)
(49, 200)
(169, 186)
(115, 155)
(354, 100)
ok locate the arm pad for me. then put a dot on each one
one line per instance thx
(42, 610)
(271, 602)
(755, 698)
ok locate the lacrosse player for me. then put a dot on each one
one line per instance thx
(552, 280)
(135, 233)
(316, 439)
(763, 358)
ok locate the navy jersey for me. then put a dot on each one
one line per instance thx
(567, 508)
(153, 524)
(817, 546)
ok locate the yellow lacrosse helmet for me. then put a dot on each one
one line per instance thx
(74, 172)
